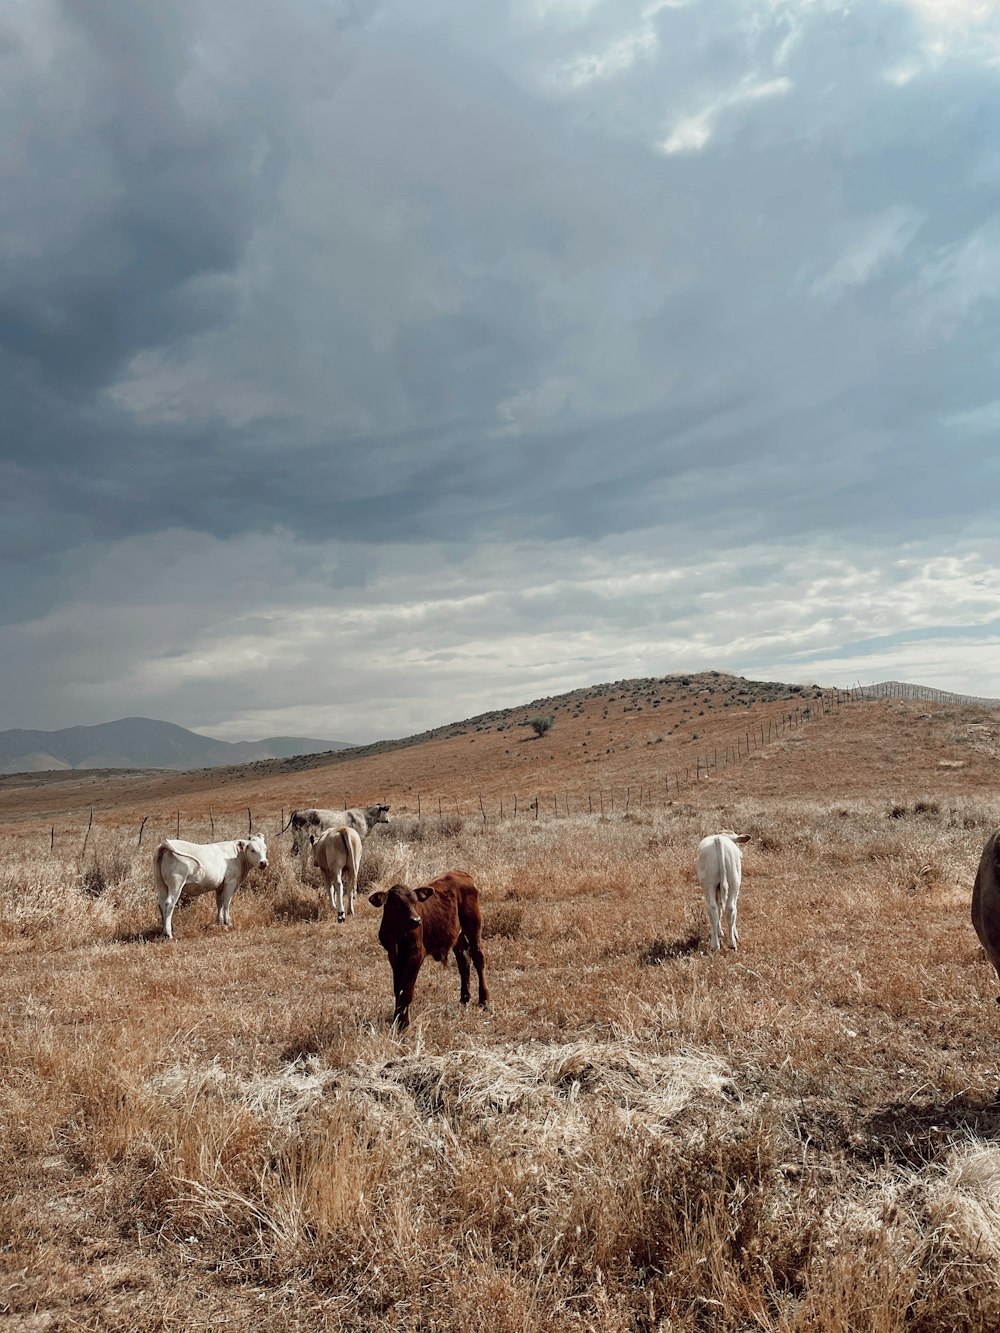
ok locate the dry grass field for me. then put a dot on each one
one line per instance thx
(224, 1132)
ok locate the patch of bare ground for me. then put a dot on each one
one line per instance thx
(225, 1132)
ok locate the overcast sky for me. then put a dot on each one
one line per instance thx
(365, 366)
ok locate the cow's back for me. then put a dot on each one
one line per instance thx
(986, 900)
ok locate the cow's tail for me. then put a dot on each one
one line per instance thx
(723, 875)
(291, 816)
(159, 883)
(349, 855)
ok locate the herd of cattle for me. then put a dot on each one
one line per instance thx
(444, 915)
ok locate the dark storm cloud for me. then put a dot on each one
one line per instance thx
(407, 278)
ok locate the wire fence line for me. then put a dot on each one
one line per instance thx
(669, 782)
(901, 689)
(621, 799)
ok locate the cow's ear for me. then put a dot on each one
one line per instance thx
(241, 844)
(742, 838)
(376, 899)
(312, 839)
(424, 892)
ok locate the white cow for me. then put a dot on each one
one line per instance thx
(304, 823)
(719, 865)
(203, 867)
(334, 852)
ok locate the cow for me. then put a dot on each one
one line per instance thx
(432, 919)
(335, 852)
(201, 867)
(306, 822)
(986, 901)
(719, 866)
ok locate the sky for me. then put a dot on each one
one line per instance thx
(365, 366)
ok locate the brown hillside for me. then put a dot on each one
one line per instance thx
(635, 742)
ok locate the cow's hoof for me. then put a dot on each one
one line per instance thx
(341, 919)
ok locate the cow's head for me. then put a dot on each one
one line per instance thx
(378, 814)
(253, 852)
(400, 916)
(739, 838)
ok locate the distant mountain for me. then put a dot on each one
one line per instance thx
(141, 742)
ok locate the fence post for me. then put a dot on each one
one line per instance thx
(211, 821)
(249, 823)
(418, 807)
(89, 827)
(52, 839)
(482, 808)
(141, 827)
(178, 823)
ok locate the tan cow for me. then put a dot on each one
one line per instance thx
(986, 901)
(303, 823)
(338, 851)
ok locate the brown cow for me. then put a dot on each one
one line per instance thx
(432, 919)
(986, 901)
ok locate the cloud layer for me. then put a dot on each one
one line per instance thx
(366, 364)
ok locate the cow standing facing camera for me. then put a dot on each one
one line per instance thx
(204, 867)
(433, 919)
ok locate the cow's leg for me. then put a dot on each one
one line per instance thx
(223, 897)
(168, 897)
(731, 922)
(403, 981)
(712, 904)
(475, 948)
(464, 970)
(352, 890)
(340, 896)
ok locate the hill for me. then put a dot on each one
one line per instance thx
(638, 740)
(140, 742)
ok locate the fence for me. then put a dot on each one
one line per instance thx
(600, 801)
(900, 689)
(623, 799)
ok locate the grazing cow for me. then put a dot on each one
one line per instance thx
(719, 865)
(201, 867)
(432, 919)
(334, 852)
(986, 901)
(306, 822)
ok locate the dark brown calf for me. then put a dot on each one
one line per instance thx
(986, 901)
(432, 919)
